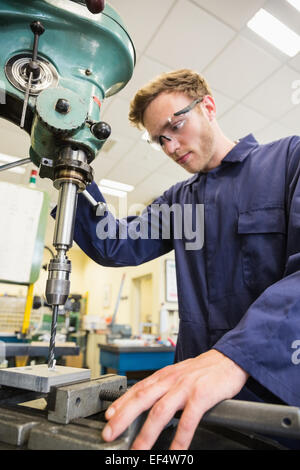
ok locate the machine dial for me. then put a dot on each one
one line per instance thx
(16, 73)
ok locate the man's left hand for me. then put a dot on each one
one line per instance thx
(194, 386)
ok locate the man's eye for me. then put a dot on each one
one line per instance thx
(178, 125)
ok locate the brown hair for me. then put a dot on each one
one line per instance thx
(184, 80)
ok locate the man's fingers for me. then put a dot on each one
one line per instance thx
(187, 426)
(159, 416)
(127, 408)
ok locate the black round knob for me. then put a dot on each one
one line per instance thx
(95, 6)
(37, 28)
(101, 130)
(62, 106)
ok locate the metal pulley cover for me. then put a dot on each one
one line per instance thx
(61, 110)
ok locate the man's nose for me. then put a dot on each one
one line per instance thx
(171, 145)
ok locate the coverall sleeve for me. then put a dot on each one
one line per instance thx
(266, 342)
(119, 242)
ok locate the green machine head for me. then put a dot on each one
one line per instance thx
(59, 60)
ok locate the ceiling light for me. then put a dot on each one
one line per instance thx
(275, 32)
(116, 185)
(112, 192)
(295, 4)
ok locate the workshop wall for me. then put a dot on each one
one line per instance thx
(103, 286)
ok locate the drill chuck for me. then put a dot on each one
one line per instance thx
(58, 282)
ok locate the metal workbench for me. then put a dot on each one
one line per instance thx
(35, 350)
(134, 358)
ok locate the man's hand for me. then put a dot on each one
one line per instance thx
(194, 386)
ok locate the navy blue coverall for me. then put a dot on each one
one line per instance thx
(239, 293)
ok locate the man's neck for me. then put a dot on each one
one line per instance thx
(223, 145)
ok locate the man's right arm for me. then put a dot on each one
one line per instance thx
(119, 242)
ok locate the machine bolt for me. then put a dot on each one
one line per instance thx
(62, 106)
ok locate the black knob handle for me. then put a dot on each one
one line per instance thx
(101, 130)
(37, 28)
(95, 6)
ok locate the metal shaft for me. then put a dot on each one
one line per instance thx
(65, 218)
(7, 166)
(68, 179)
(51, 357)
(25, 104)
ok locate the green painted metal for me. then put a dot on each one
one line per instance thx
(93, 55)
(94, 58)
(49, 126)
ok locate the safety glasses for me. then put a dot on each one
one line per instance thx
(174, 127)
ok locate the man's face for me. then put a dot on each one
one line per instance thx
(187, 138)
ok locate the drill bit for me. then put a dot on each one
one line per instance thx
(51, 360)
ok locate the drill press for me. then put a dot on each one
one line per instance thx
(60, 60)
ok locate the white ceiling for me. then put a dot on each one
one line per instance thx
(252, 84)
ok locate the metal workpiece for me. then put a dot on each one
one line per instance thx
(39, 378)
(80, 400)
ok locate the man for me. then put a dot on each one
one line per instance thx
(239, 299)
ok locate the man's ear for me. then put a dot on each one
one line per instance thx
(209, 107)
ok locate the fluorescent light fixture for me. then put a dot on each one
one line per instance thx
(8, 159)
(116, 185)
(112, 192)
(295, 4)
(275, 32)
